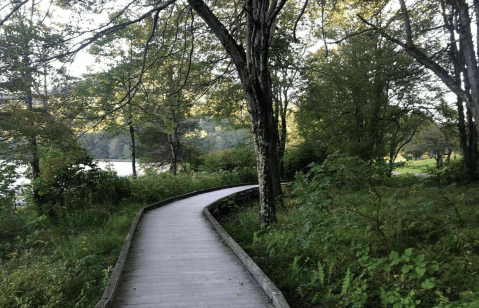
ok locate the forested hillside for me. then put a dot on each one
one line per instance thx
(209, 136)
(341, 97)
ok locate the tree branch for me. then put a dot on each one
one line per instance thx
(297, 20)
(19, 5)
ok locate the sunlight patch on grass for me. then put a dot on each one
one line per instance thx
(417, 166)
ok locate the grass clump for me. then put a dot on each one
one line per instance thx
(420, 166)
(350, 236)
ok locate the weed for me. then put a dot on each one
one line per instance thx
(339, 245)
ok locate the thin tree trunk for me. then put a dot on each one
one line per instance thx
(472, 166)
(173, 141)
(476, 10)
(471, 148)
(283, 132)
(34, 160)
(173, 162)
(461, 125)
(132, 149)
(467, 48)
(466, 134)
(282, 145)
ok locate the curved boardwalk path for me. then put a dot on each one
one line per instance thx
(177, 259)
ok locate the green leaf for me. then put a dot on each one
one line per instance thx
(363, 258)
(420, 272)
(427, 284)
(433, 268)
(391, 299)
(393, 255)
(408, 252)
(405, 268)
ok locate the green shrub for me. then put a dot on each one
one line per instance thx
(353, 237)
(67, 263)
(240, 157)
(298, 158)
(455, 172)
(67, 185)
(155, 187)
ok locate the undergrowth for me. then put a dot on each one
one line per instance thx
(351, 236)
(67, 262)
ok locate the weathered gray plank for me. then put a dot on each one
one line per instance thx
(176, 259)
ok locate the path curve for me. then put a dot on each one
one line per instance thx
(177, 259)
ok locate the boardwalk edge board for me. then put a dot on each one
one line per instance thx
(111, 287)
(268, 286)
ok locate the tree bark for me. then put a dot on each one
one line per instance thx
(466, 134)
(174, 143)
(472, 165)
(476, 10)
(251, 62)
(471, 144)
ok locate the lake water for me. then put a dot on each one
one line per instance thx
(122, 168)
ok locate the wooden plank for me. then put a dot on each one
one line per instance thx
(176, 259)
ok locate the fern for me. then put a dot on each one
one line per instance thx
(346, 282)
(295, 268)
(330, 271)
(320, 274)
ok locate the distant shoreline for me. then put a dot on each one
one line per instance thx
(114, 160)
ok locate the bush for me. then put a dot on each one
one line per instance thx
(353, 237)
(9, 192)
(240, 157)
(452, 173)
(67, 185)
(67, 263)
(155, 187)
(297, 159)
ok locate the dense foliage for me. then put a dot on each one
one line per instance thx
(237, 158)
(67, 261)
(310, 78)
(349, 236)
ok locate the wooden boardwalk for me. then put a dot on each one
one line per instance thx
(177, 259)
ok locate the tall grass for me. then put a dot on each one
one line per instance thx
(67, 263)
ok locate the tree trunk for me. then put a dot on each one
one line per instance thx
(173, 141)
(467, 48)
(251, 62)
(471, 99)
(132, 150)
(264, 128)
(32, 140)
(283, 133)
(476, 10)
(173, 162)
(282, 145)
(472, 136)
(438, 155)
(467, 135)
(461, 125)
